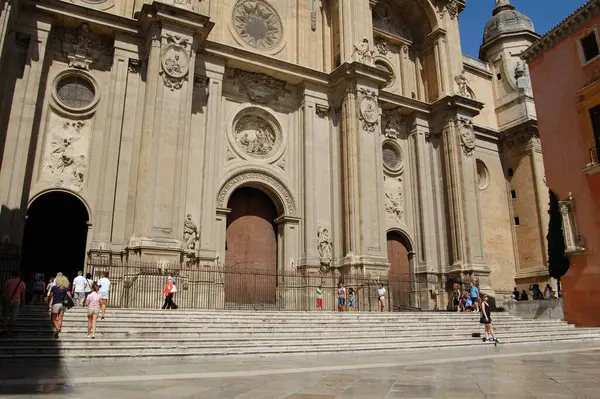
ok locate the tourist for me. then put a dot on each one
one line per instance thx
(463, 301)
(90, 282)
(536, 292)
(516, 295)
(320, 297)
(93, 310)
(78, 289)
(57, 297)
(104, 284)
(474, 296)
(40, 290)
(351, 300)
(456, 294)
(381, 297)
(169, 291)
(341, 297)
(548, 292)
(468, 304)
(486, 319)
(524, 296)
(13, 298)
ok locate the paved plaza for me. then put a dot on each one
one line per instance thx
(569, 370)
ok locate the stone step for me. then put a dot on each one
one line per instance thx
(194, 350)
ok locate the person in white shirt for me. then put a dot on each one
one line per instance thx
(104, 284)
(381, 297)
(78, 289)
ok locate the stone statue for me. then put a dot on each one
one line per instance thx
(190, 233)
(364, 51)
(463, 84)
(324, 246)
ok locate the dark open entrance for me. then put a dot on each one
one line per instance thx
(55, 235)
(251, 249)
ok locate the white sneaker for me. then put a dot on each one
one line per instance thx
(88, 336)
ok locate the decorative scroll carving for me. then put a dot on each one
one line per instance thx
(394, 199)
(258, 176)
(324, 248)
(382, 45)
(174, 61)
(463, 85)
(83, 47)
(257, 24)
(229, 155)
(281, 164)
(322, 110)
(573, 241)
(467, 135)
(260, 88)
(448, 6)
(134, 66)
(394, 124)
(65, 159)
(368, 110)
(191, 236)
(363, 52)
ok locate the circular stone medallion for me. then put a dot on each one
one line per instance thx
(175, 61)
(369, 109)
(257, 24)
(256, 137)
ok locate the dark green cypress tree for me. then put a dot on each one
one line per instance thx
(558, 262)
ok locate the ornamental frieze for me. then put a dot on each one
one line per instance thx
(260, 88)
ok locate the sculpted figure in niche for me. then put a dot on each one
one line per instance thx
(394, 199)
(66, 159)
(364, 52)
(255, 136)
(324, 247)
(190, 233)
(463, 85)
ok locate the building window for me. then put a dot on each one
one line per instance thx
(499, 76)
(511, 172)
(75, 91)
(595, 150)
(517, 221)
(587, 45)
(513, 194)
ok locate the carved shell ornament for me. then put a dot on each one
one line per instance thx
(256, 22)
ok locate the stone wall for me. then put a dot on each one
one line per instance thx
(551, 309)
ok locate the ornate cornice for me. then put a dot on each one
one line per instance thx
(573, 22)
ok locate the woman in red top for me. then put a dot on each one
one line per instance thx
(169, 290)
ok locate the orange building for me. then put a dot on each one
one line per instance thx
(565, 73)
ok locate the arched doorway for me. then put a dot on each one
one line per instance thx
(251, 249)
(398, 250)
(55, 235)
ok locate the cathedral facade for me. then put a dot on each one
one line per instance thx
(272, 135)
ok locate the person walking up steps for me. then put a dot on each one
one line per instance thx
(90, 282)
(486, 320)
(319, 295)
(104, 289)
(78, 290)
(474, 296)
(341, 297)
(93, 310)
(13, 298)
(381, 297)
(56, 300)
(169, 291)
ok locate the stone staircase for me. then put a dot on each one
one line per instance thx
(177, 333)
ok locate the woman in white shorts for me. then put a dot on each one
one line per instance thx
(381, 297)
(93, 310)
(55, 302)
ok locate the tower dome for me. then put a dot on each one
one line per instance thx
(506, 19)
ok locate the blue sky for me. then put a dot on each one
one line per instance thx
(545, 14)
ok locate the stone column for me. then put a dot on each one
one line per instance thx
(355, 24)
(14, 183)
(289, 233)
(172, 46)
(221, 233)
(6, 12)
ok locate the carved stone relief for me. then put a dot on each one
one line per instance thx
(394, 199)
(363, 52)
(281, 164)
(191, 236)
(260, 88)
(229, 155)
(258, 176)
(467, 135)
(463, 85)
(324, 248)
(175, 61)
(257, 24)
(386, 20)
(255, 136)
(66, 152)
(394, 124)
(322, 110)
(382, 45)
(82, 47)
(448, 6)
(368, 109)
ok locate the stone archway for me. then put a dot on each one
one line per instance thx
(399, 251)
(55, 235)
(251, 248)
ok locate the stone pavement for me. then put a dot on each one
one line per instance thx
(510, 371)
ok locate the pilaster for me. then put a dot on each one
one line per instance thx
(355, 24)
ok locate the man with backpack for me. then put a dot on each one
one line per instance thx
(13, 298)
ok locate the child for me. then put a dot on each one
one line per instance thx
(320, 297)
(468, 304)
(93, 310)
